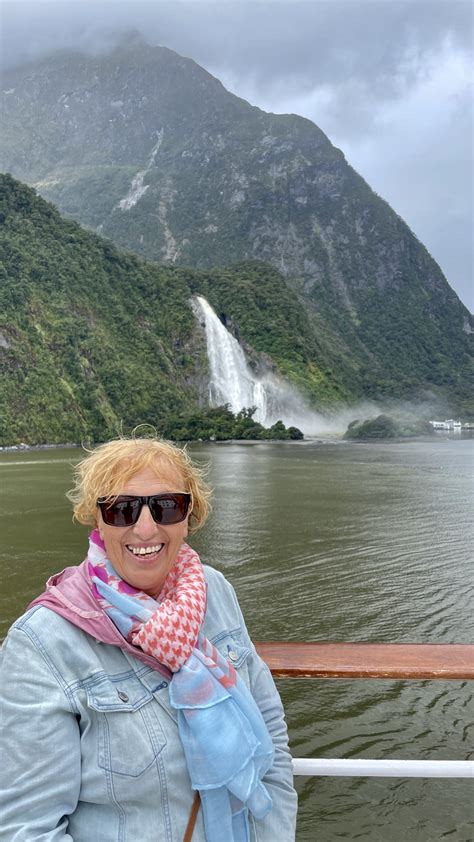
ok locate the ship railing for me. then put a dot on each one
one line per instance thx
(389, 661)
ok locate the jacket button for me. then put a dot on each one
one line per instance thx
(122, 696)
(233, 655)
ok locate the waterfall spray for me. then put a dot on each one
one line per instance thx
(232, 381)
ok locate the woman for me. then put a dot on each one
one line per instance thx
(131, 683)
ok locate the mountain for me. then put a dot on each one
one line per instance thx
(148, 149)
(92, 339)
(88, 337)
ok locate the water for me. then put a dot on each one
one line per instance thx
(335, 541)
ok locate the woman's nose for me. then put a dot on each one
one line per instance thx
(145, 526)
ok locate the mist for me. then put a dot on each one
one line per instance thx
(332, 424)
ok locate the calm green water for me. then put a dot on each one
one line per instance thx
(327, 541)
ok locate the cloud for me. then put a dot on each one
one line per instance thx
(418, 156)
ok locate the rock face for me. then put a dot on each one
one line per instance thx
(148, 149)
(94, 341)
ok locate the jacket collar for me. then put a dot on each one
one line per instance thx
(69, 594)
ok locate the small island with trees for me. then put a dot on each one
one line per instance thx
(221, 424)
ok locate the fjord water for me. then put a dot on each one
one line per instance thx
(322, 541)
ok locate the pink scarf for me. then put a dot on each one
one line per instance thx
(167, 628)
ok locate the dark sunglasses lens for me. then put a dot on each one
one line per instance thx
(169, 508)
(121, 512)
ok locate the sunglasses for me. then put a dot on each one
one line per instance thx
(165, 509)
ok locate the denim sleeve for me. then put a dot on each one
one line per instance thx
(280, 823)
(40, 771)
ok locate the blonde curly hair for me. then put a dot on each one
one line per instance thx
(106, 469)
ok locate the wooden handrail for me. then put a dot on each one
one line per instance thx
(369, 660)
(417, 661)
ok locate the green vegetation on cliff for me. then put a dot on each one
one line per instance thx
(150, 150)
(92, 339)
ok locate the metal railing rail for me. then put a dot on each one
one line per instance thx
(363, 767)
(393, 661)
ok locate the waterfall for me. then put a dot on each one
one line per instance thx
(231, 380)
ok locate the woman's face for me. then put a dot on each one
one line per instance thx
(146, 572)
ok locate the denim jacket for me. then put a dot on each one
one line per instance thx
(90, 748)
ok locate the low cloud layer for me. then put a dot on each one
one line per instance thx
(389, 81)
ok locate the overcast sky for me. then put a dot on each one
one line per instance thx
(389, 81)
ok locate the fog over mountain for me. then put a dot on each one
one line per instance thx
(388, 81)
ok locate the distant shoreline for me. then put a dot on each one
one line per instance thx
(23, 448)
(440, 435)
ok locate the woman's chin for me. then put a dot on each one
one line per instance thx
(146, 573)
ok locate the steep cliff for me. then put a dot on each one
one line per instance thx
(150, 150)
(93, 340)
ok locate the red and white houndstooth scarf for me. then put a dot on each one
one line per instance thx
(168, 628)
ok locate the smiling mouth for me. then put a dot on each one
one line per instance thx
(144, 552)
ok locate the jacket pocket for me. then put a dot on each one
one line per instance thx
(129, 734)
(229, 644)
